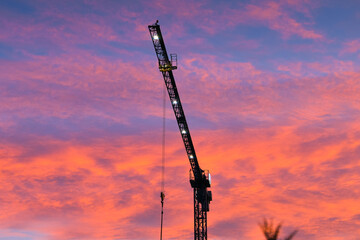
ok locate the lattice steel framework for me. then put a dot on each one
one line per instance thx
(199, 179)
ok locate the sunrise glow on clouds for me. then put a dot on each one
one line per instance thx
(270, 90)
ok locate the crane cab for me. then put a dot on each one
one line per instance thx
(168, 65)
(206, 179)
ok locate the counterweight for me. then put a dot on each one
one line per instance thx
(200, 180)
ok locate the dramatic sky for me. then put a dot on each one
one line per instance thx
(270, 89)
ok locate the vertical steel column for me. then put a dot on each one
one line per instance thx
(196, 216)
(200, 216)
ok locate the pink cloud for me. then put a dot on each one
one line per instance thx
(273, 15)
(351, 47)
(329, 66)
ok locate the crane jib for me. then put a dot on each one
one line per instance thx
(165, 66)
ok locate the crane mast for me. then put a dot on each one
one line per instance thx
(200, 179)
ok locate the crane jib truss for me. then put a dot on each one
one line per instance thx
(200, 180)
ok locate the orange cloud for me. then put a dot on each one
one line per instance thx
(81, 127)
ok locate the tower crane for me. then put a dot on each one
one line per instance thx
(200, 180)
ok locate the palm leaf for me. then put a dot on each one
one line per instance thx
(272, 233)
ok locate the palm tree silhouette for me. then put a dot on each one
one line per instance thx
(272, 233)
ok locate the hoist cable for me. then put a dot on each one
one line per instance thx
(163, 143)
(162, 194)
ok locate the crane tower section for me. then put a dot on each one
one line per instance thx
(200, 180)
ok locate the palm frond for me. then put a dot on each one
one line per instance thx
(271, 233)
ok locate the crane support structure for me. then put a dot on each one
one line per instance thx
(200, 180)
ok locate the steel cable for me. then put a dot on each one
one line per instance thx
(162, 194)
